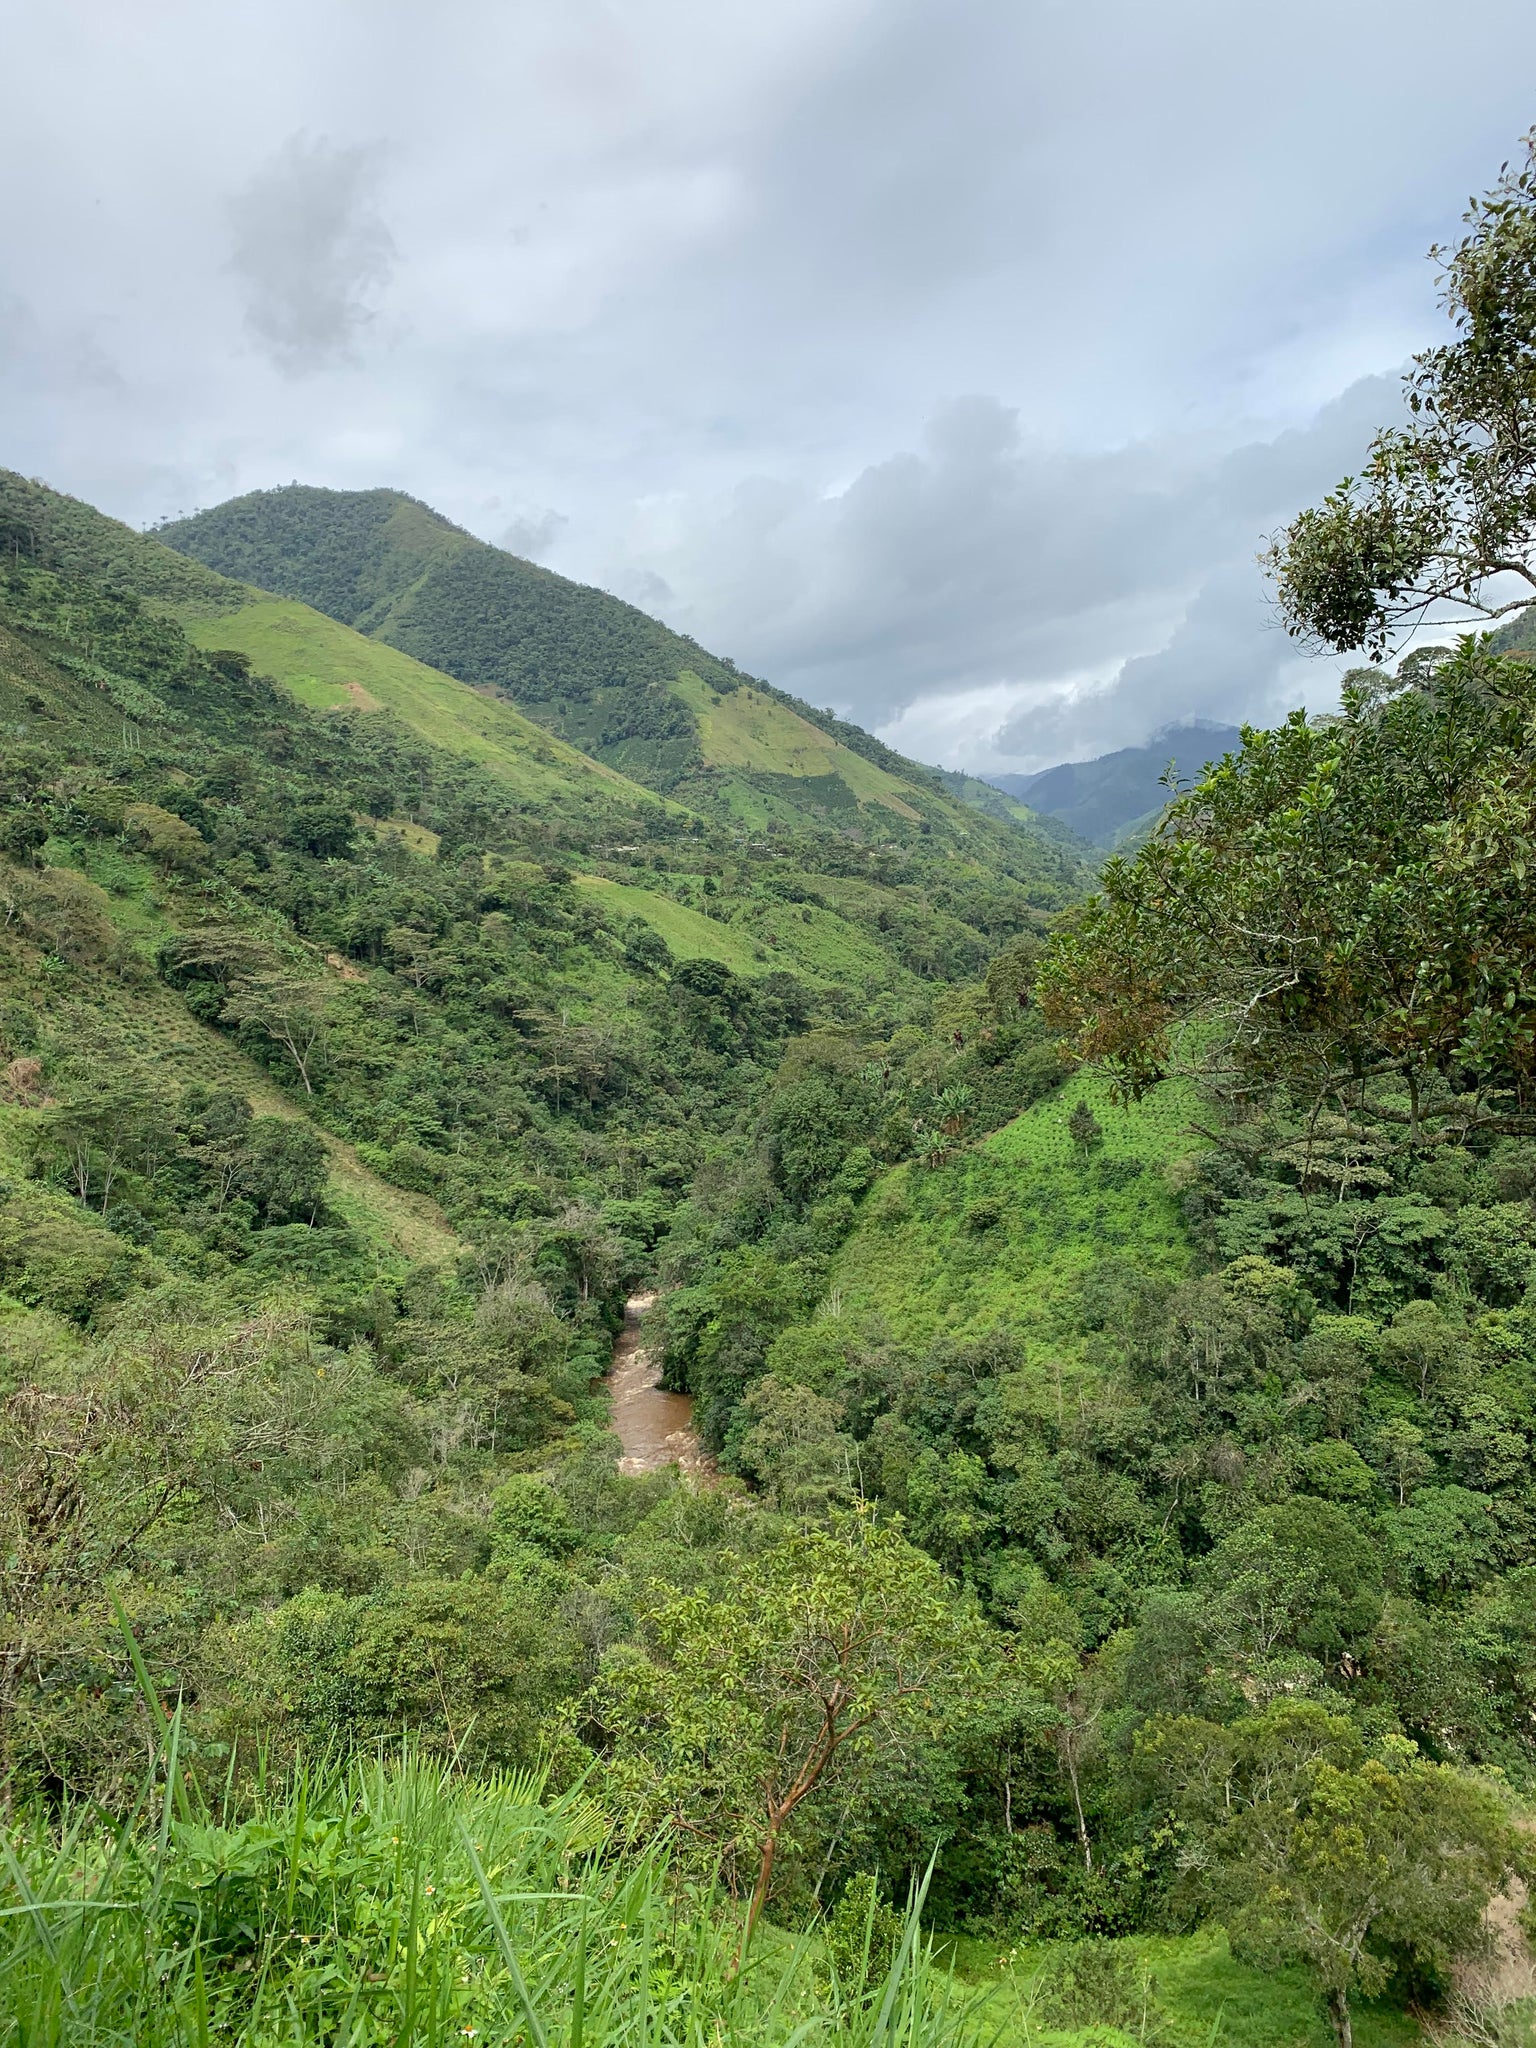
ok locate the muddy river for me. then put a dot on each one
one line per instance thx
(655, 1428)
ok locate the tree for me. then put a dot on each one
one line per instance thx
(284, 1169)
(289, 1009)
(1312, 1850)
(164, 836)
(1296, 1580)
(1400, 1453)
(95, 1462)
(794, 1447)
(838, 1646)
(1344, 910)
(1074, 1690)
(1085, 1130)
(106, 1120)
(1448, 502)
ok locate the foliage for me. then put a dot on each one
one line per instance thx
(1309, 1846)
(1079, 1449)
(387, 1903)
(863, 1935)
(837, 1642)
(1447, 502)
(1342, 909)
(1097, 1984)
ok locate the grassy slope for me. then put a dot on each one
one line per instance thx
(328, 666)
(1211, 2000)
(158, 1024)
(746, 728)
(997, 803)
(690, 934)
(913, 1263)
(817, 944)
(919, 1262)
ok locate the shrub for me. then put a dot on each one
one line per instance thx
(1100, 1984)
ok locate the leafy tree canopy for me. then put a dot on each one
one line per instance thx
(1341, 910)
(1447, 502)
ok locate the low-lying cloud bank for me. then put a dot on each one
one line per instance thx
(994, 601)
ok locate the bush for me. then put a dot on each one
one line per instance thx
(1099, 1984)
(863, 1935)
(54, 1258)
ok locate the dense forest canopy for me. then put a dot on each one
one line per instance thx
(1108, 1306)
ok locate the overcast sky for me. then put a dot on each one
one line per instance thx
(945, 361)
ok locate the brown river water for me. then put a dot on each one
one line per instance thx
(655, 1428)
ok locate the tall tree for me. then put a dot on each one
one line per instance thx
(1343, 910)
(841, 1644)
(1446, 503)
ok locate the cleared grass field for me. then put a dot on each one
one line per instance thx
(823, 948)
(690, 934)
(743, 728)
(1003, 1233)
(330, 667)
(1207, 1998)
(826, 947)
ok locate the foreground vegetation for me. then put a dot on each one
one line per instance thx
(389, 1901)
(1123, 1545)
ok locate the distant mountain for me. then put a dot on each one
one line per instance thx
(620, 686)
(1105, 800)
(997, 803)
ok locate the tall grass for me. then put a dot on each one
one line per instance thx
(390, 1901)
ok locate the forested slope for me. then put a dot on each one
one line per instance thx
(1113, 1321)
(371, 1074)
(613, 681)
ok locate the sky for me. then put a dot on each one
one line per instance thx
(946, 362)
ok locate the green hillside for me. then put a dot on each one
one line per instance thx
(323, 664)
(350, 1079)
(613, 682)
(1001, 1236)
(1517, 635)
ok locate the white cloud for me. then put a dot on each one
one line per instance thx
(976, 598)
(710, 281)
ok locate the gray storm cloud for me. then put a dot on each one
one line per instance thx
(312, 252)
(984, 562)
(716, 282)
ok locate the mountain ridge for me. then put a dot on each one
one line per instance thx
(620, 686)
(1106, 798)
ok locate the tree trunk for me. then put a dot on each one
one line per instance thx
(1082, 1824)
(1338, 2013)
(760, 1890)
